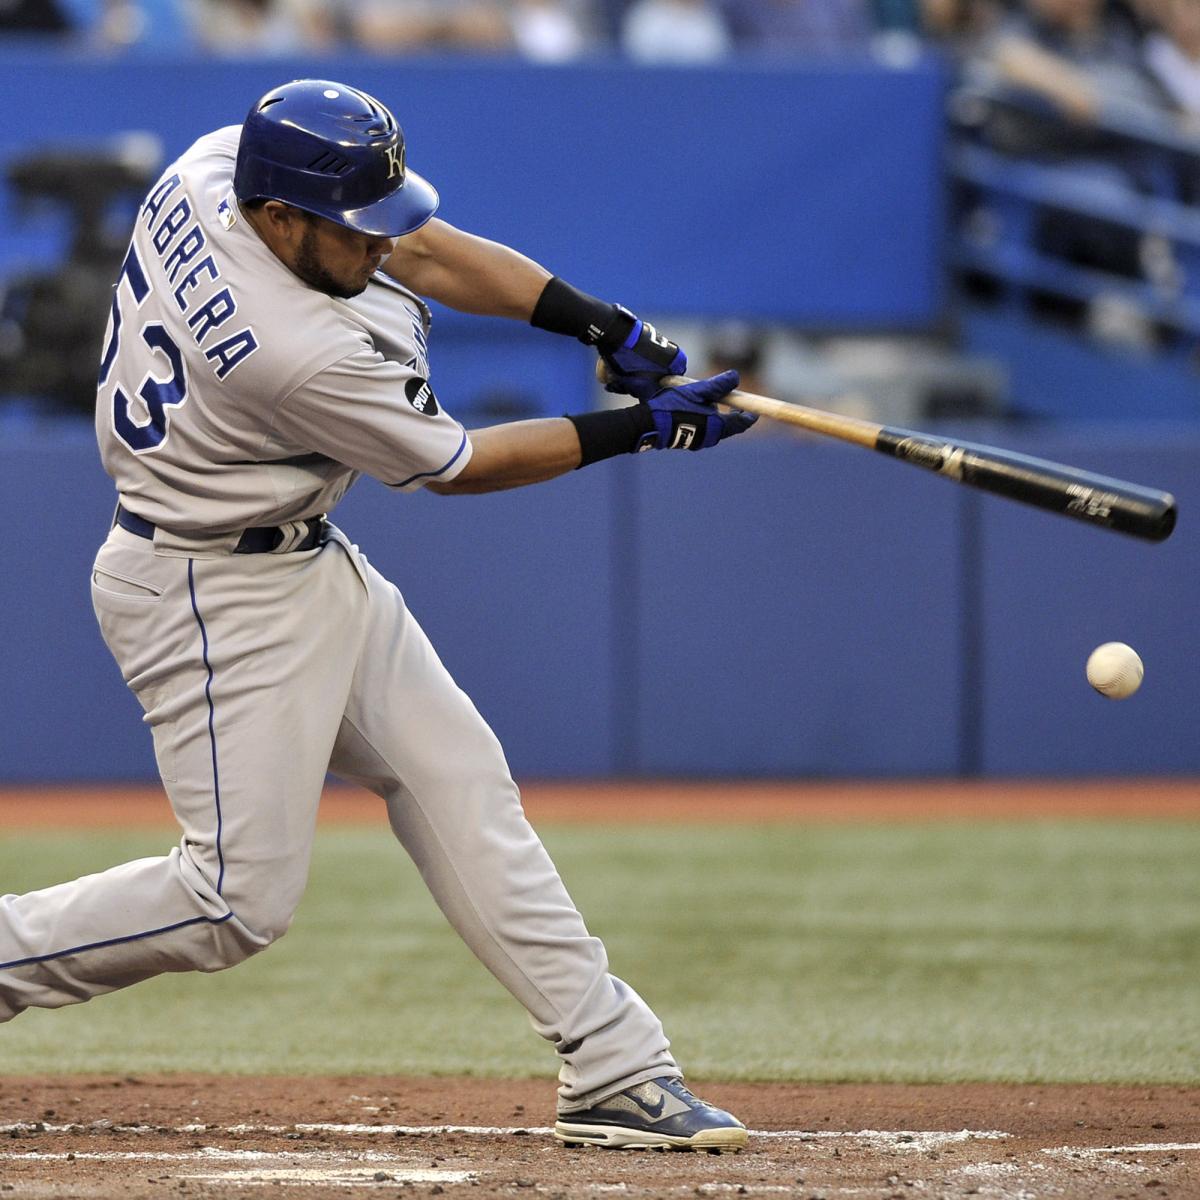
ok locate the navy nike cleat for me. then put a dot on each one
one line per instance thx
(660, 1113)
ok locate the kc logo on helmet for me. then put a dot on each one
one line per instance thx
(395, 157)
(420, 396)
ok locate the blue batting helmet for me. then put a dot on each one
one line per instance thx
(334, 151)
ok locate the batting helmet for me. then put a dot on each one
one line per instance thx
(332, 150)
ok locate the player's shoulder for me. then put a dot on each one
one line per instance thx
(213, 152)
(221, 142)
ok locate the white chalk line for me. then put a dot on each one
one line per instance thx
(259, 1167)
(1140, 1148)
(350, 1178)
(900, 1139)
(203, 1153)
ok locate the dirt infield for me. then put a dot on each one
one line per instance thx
(222, 1137)
(642, 802)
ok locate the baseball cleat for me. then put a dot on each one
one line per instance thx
(660, 1113)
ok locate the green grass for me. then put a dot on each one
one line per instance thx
(941, 952)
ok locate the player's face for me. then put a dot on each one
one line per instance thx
(337, 260)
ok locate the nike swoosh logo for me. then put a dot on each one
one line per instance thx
(652, 1110)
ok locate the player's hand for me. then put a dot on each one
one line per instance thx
(638, 356)
(686, 417)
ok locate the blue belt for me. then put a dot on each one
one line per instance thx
(253, 541)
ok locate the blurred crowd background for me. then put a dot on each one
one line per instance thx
(1072, 168)
(1082, 55)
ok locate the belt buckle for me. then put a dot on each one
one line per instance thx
(288, 537)
(298, 535)
(282, 539)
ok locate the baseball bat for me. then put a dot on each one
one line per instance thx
(1082, 495)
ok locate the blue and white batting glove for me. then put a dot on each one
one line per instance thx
(641, 359)
(685, 417)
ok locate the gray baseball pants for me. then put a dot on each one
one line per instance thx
(258, 674)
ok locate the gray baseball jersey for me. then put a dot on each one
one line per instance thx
(234, 396)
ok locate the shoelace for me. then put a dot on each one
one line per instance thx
(688, 1094)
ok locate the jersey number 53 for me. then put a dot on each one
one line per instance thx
(144, 426)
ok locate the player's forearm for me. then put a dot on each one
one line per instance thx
(474, 275)
(466, 272)
(682, 417)
(514, 455)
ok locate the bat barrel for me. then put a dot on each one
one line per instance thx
(1095, 499)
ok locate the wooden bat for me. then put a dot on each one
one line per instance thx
(1096, 499)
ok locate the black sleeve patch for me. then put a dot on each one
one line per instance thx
(420, 396)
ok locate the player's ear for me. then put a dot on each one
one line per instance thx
(281, 225)
(279, 215)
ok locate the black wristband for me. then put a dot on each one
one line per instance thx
(564, 309)
(611, 431)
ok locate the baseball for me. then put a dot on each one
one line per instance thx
(1114, 670)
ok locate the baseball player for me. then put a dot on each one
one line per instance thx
(268, 344)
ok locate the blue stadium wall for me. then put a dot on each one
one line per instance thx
(762, 191)
(777, 608)
(782, 607)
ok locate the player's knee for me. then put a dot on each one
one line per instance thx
(234, 940)
(260, 919)
(259, 901)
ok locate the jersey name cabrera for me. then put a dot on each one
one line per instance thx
(231, 394)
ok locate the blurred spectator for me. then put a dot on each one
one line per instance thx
(33, 16)
(1078, 69)
(396, 26)
(538, 30)
(1067, 53)
(1172, 54)
(152, 25)
(679, 31)
(1083, 70)
(552, 30)
(800, 27)
(960, 25)
(116, 26)
(249, 28)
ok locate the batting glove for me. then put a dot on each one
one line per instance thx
(685, 417)
(640, 359)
